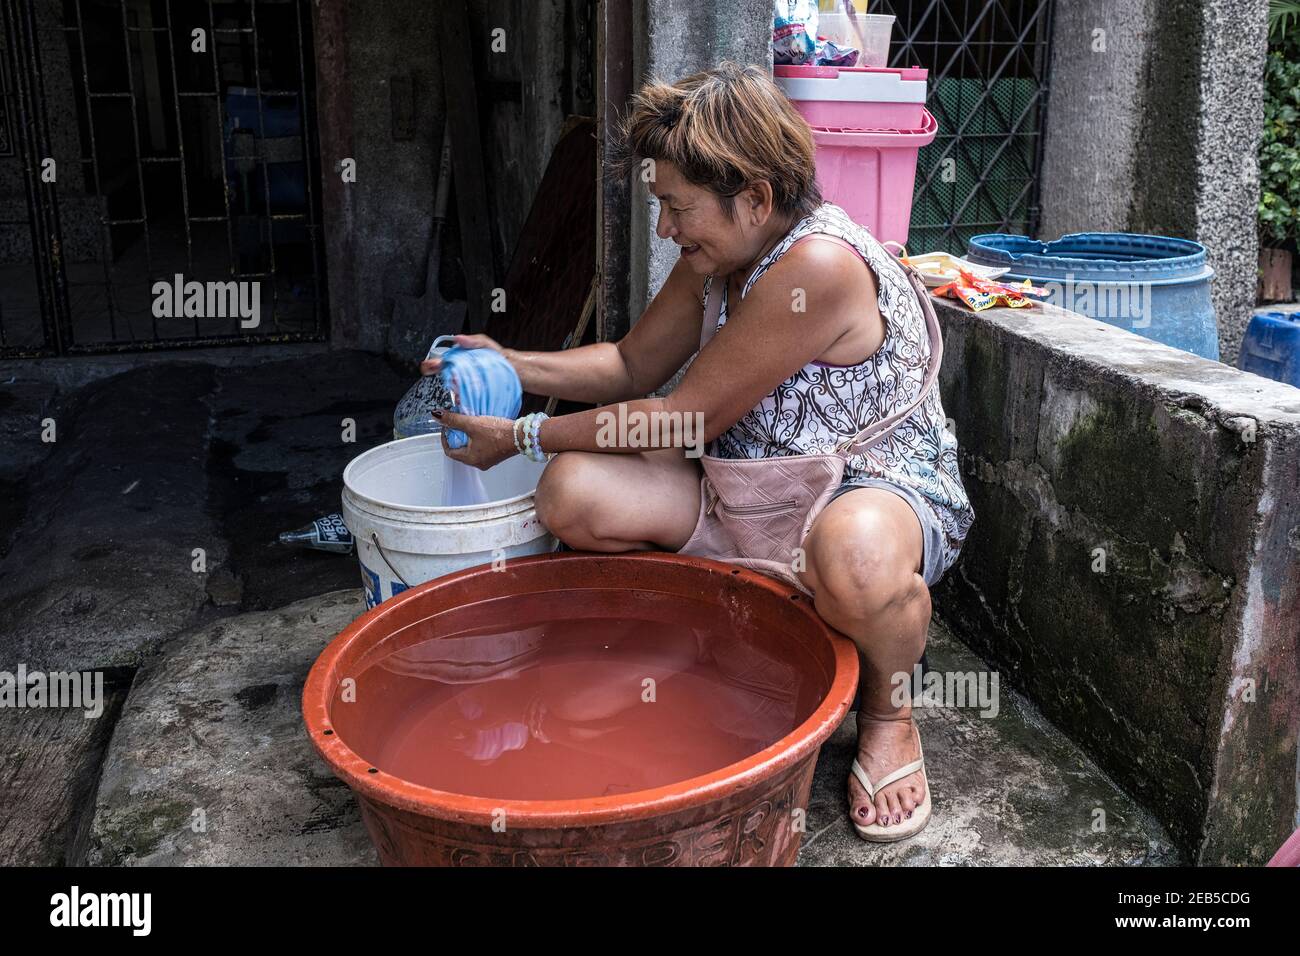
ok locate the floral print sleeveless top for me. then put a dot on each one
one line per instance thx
(820, 405)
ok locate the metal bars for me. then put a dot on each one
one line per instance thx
(170, 152)
(988, 63)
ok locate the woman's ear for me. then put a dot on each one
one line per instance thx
(756, 202)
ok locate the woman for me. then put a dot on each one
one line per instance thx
(815, 340)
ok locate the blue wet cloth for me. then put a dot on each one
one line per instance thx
(484, 382)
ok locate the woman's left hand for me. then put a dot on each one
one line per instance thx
(491, 439)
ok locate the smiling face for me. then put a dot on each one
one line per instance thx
(734, 164)
(711, 242)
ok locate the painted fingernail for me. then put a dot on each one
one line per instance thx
(437, 413)
(909, 814)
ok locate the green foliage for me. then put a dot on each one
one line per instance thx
(1283, 16)
(1279, 150)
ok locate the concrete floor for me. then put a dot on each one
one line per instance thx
(200, 756)
(212, 731)
(155, 511)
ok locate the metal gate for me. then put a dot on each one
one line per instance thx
(158, 175)
(989, 62)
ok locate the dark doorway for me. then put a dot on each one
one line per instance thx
(182, 135)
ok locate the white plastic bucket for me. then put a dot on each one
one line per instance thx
(404, 537)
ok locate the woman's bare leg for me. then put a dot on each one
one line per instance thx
(863, 562)
(606, 502)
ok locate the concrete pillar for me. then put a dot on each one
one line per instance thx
(1153, 125)
(674, 38)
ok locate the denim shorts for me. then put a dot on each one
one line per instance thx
(931, 531)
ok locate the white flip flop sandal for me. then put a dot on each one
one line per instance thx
(875, 833)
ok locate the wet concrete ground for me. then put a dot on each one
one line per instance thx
(153, 511)
(200, 756)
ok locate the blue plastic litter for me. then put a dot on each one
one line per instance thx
(1271, 347)
(483, 382)
(1155, 286)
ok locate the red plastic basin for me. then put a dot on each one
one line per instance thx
(748, 813)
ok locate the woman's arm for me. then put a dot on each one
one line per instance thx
(656, 347)
(814, 295)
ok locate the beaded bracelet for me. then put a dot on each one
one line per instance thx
(514, 433)
(533, 437)
(535, 427)
(528, 437)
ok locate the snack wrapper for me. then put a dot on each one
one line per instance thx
(794, 31)
(979, 293)
(795, 41)
(828, 54)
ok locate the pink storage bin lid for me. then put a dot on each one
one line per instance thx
(833, 72)
(866, 84)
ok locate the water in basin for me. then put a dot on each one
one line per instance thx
(577, 703)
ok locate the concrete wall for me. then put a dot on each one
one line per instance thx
(1134, 565)
(378, 229)
(674, 38)
(1153, 125)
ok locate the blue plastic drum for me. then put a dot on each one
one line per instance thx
(1271, 347)
(1156, 286)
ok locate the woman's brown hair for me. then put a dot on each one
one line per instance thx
(726, 129)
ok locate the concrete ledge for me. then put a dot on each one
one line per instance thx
(1135, 562)
(210, 764)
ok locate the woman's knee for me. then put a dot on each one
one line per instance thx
(863, 572)
(565, 493)
(868, 589)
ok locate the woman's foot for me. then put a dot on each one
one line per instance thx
(884, 745)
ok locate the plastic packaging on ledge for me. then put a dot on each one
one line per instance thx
(979, 294)
(794, 31)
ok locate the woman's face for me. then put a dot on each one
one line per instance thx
(711, 242)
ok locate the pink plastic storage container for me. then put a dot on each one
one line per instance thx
(871, 173)
(856, 97)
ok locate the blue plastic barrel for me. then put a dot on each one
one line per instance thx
(1156, 286)
(1271, 347)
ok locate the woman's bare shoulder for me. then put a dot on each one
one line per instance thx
(830, 271)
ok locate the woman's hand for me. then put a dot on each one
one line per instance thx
(491, 439)
(431, 366)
